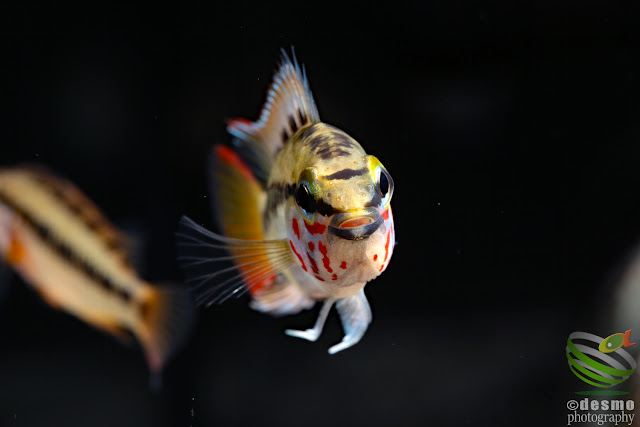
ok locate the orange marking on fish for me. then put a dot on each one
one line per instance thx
(266, 283)
(304, 267)
(16, 251)
(343, 265)
(325, 259)
(314, 266)
(227, 155)
(312, 247)
(381, 267)
(386, 246)
(294, 225)
(385, 214)
(375, 257)
(319, 278)
(316, 228)
(334, 277)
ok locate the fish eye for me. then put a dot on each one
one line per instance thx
(385, 185)
(305, 199)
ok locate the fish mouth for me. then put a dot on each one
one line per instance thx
(356, 225)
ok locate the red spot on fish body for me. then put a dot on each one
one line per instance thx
(320, 278)
(343, 265)
(312, 247)
(294, 225)
(334, 277)
(325, 259)
(386, 246)
(304, 267)
(381, 267)
(314, 266)
(316, 228)
(266, 283)
(385, 214)
(375, 257)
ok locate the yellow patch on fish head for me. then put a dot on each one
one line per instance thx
(341, 227)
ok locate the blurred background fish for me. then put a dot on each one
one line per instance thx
(305, 214)
(57, 240)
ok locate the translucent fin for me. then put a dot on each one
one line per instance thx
(355, 315)
(238, 197)
(288, 107)
(255, 263)
(167, 319)
(313, 333)
(281, 299)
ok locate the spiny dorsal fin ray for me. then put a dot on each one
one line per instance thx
(256, 263)
(288, 107)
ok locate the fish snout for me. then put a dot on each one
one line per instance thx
(356, 225)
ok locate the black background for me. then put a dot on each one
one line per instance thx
(511, 132)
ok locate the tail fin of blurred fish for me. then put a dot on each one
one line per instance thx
(167, 320)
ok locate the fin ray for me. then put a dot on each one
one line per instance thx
(254, 262)
(289, 106)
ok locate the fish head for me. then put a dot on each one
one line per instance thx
(341, 222)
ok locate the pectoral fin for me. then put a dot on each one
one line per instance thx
(256, 262)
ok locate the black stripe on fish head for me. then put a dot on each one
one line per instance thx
(331, 153)
(375, 200)
(341, 139)
(325, 208)
(311, 130)
(346, 174)
(319, 141)
(277, 194)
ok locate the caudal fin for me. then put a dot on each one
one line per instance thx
(167, 319)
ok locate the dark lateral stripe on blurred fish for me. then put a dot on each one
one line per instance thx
(61, 244)
(63, 250)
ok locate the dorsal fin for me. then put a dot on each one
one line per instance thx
(288, 107)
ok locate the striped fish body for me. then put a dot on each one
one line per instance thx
(60, 244)
(304, 212)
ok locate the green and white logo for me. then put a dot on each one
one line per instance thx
(600, 362)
